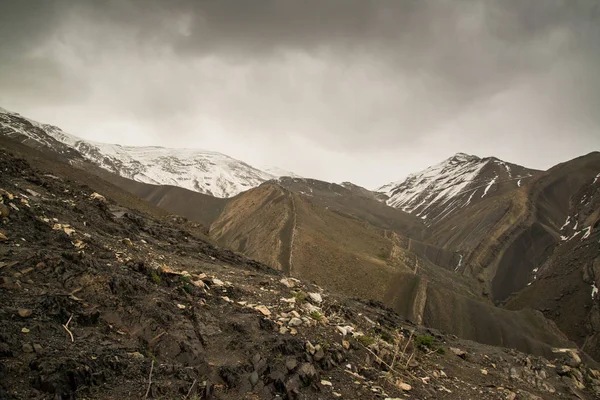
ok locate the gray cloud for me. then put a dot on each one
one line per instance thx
(341, 90)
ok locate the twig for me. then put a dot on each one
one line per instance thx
(66, 326)
(190, 391)
(157, 337)
(396, 349)
(149, 380)
(409, 358)
(407, 343)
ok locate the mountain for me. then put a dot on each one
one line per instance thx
(202, 171)
(344, 240)
(116, 301)
(535, 246)
(462, 180)
(279, 172)
(485, 252)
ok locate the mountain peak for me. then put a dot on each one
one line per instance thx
(461, 180)
(464, 157)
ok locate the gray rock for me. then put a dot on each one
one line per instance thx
(307, 373)
(27, 348)
(291, 364)
(319, 354)
(254, 378)
(514, 373)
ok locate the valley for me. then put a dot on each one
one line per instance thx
(478, 249)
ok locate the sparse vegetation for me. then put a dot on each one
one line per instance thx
(366, 340)
(300, 297)
(423, 341)
(155, 278)
(316, 315)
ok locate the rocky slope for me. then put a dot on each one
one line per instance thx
(104, 301)
(545, 229)
(462, 180)
(198, 170)
(303, 230)
(564, 284)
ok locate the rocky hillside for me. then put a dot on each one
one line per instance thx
(564, 285)
(458, 182)
(294, 231)
(202, 171)
(535, 246)
(104, 300)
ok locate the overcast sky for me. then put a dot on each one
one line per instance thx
(358, 90)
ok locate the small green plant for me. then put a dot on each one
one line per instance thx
(300, 297)
(423, 341)
(316, 315)
(155, 278)
(441, 350)
(278, 357)
(366, 340)
(386, 336)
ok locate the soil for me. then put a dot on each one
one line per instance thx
(103, 301)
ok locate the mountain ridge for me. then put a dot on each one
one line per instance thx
(203, 171)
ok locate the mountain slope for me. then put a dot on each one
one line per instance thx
(536, 246)
(127, 304)
(295, 233)
(462, 180)
(564, 284)
(202, 171)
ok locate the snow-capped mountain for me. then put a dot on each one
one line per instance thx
(202, 171)
(457, 182)
(279, 172)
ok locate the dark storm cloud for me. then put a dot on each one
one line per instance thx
(376, 81)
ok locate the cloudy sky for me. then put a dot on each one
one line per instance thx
(366, 91)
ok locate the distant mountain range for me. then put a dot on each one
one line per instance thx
(478, 247)
(202, 171)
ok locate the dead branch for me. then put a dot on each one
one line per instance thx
(66, 326)
(149, 380)
(190, 391)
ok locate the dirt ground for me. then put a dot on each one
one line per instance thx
(99, 301)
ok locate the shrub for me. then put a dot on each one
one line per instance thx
(423, 341)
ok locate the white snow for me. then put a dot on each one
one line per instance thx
(470, 198)
(567, 222)
(519, 183)
(596, 178)
(459, 263)
(279, 172)
(576, 225)
(194, 169)
(442, 181)
(594, 290)
(489, 186)
(588, 231)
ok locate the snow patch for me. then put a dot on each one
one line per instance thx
(596, 178)
(489, 186)
(567, 222)
(459, 263)
(587, 231)
(519, 183)
(594, 290)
